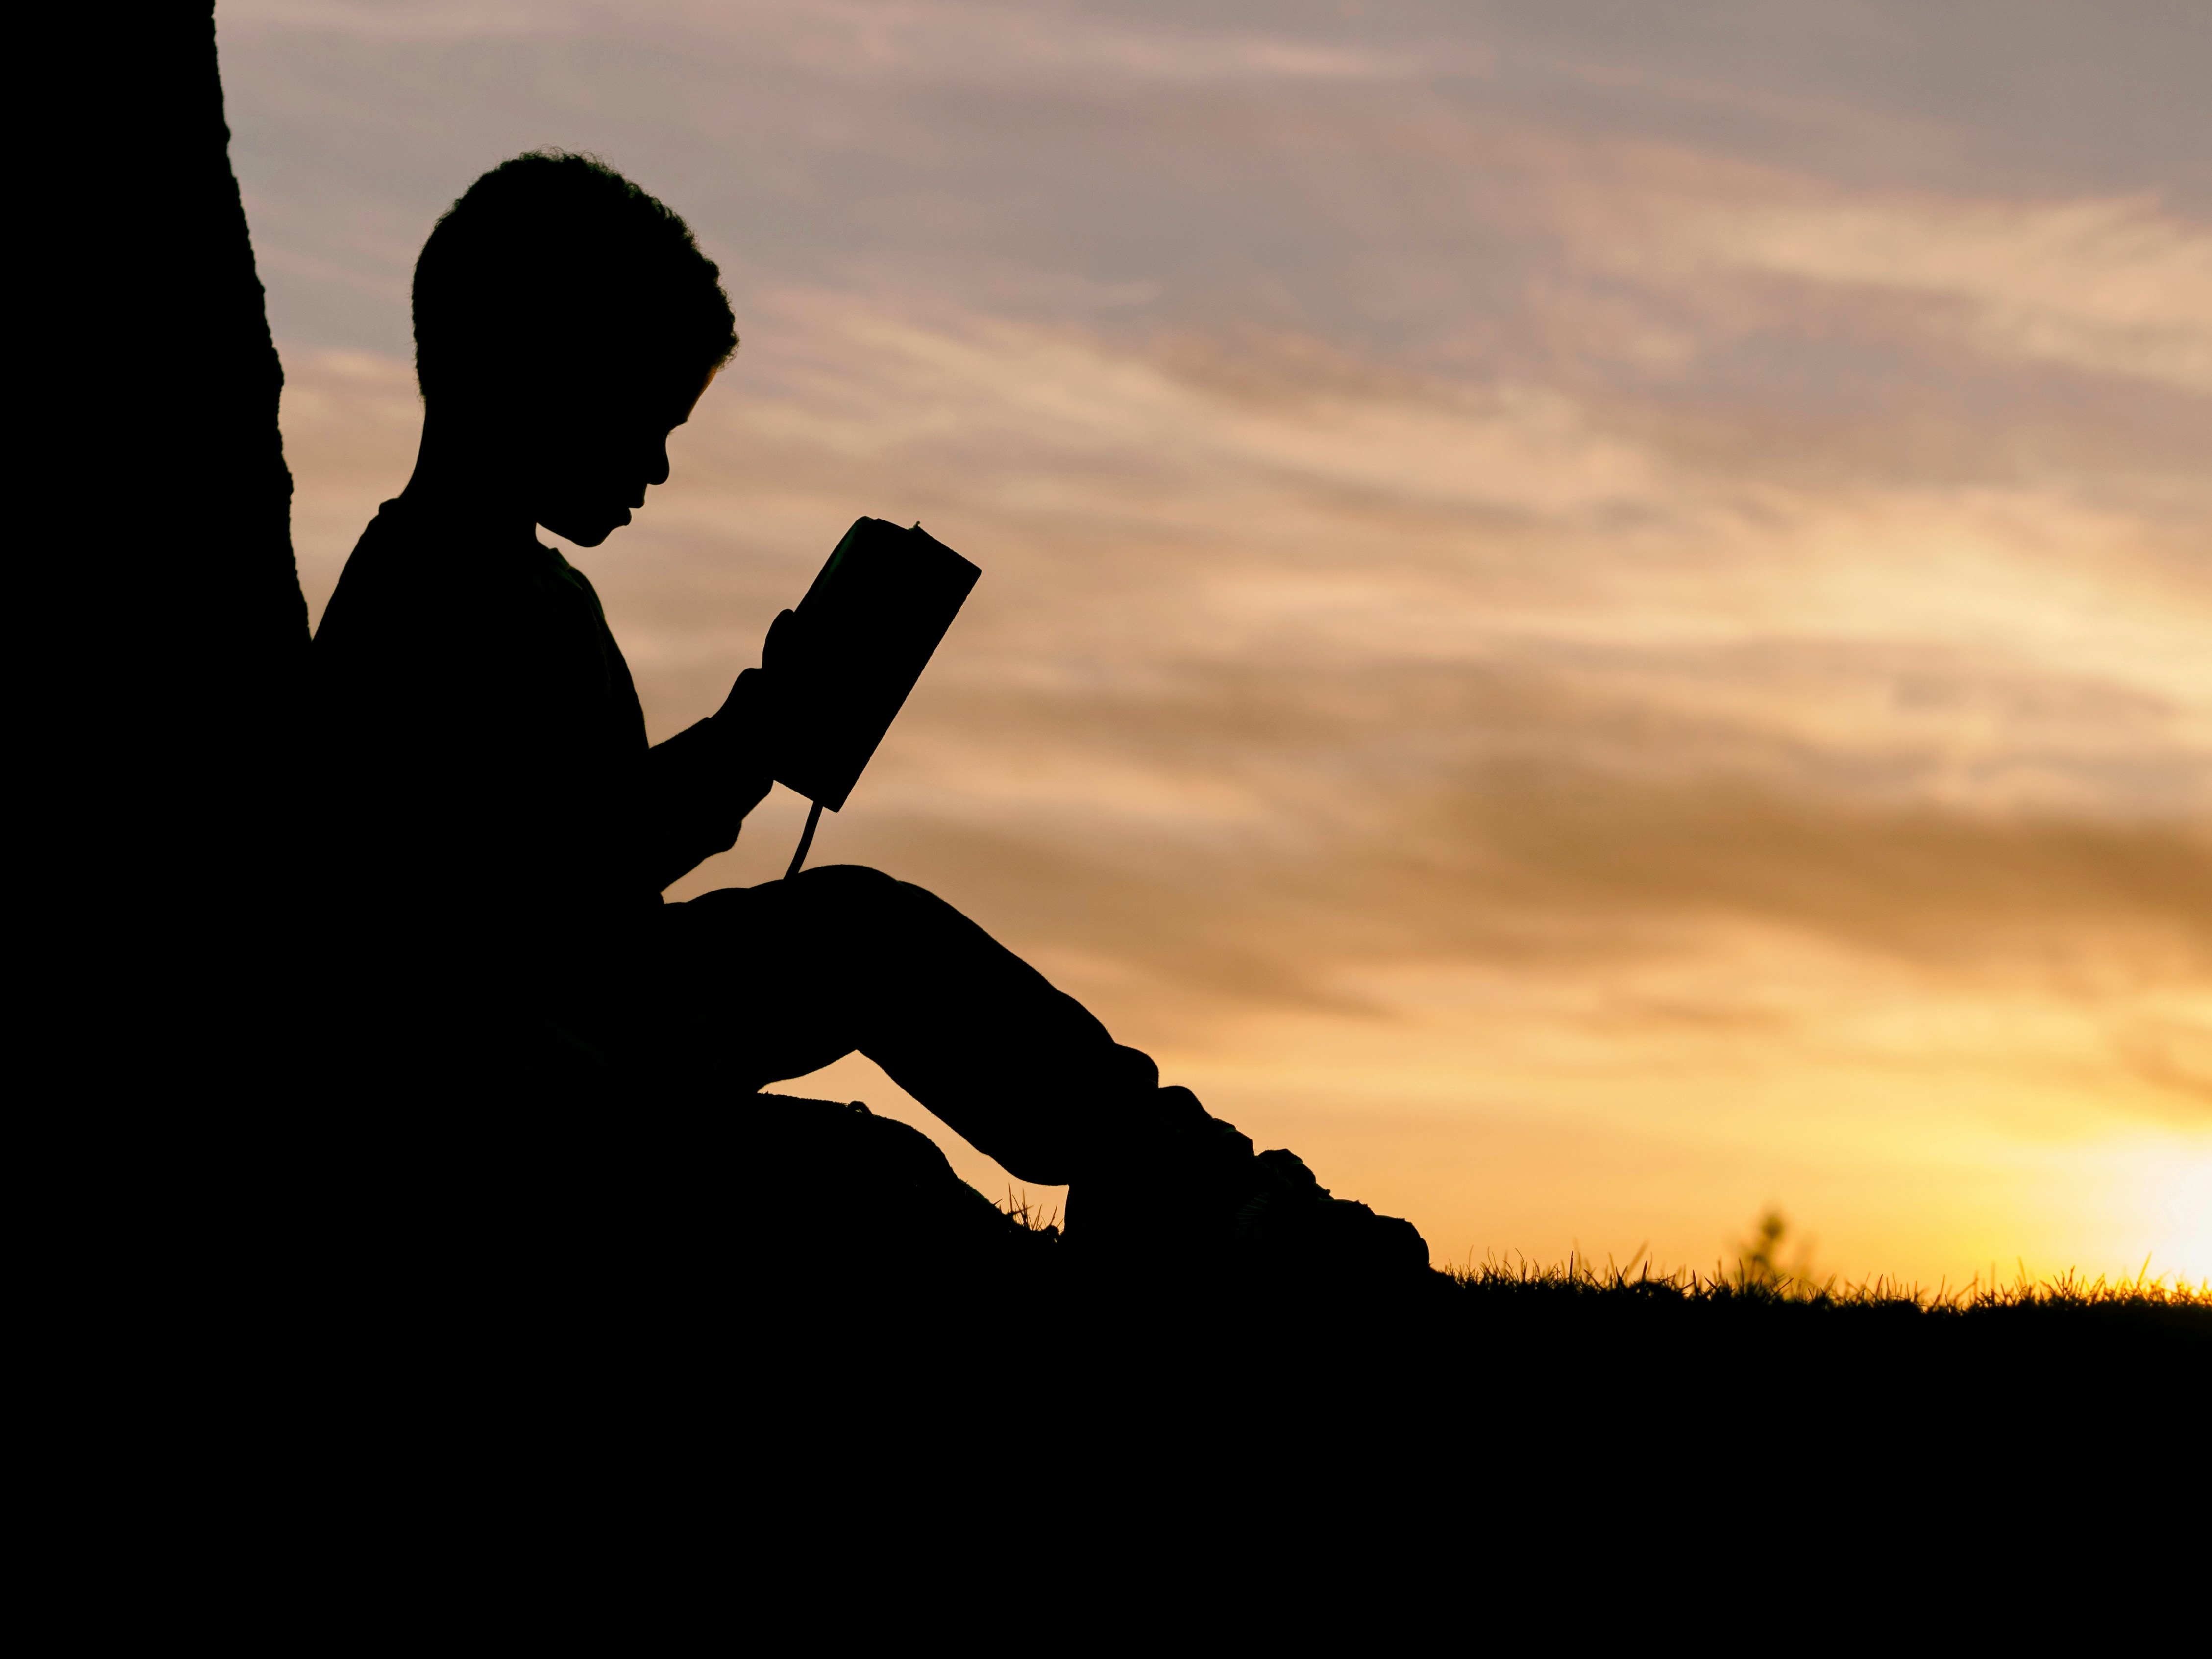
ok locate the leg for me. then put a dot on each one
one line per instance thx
(779, 979)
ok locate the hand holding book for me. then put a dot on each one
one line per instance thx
(835, 671)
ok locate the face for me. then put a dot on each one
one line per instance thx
(590, 470)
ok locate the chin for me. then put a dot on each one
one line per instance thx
(588, 533)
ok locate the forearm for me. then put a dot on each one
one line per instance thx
(699, 786)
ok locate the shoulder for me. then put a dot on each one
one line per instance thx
(408, 605)
(408, 576)
(374, 570)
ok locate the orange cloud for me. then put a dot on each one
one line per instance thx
(1563, 630)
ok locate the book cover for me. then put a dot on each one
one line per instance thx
(869, 625)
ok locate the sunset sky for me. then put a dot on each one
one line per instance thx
(1595, 615)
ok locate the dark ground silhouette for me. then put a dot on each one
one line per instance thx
(244, 1249)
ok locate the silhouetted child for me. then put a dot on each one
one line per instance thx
(499, 832)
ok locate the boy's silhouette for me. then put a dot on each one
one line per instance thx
(500, 830)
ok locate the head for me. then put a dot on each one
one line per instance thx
(565, 323)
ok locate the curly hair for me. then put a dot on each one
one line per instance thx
(554, 258)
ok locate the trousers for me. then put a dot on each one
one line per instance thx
(754, 985)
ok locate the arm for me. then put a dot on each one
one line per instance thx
(701, 783)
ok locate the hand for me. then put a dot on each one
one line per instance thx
(752, 689)
(785, 644)
(753, 712)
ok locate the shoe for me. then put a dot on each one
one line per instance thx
(1205, 1203)
(1291, 1228)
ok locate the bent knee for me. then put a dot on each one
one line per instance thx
(839, 881)
(855, 890)
(843, 890)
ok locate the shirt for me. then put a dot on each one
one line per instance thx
(489, 803)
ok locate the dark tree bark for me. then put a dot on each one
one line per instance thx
(168, 634)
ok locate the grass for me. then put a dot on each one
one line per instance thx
(1760, 1278)
(1600, 1395)
(1793, 1364)
(1749, 1283)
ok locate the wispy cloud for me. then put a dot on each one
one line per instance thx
(1595, 626)
(940, 41)
(1289, 669)
(436, 20)
(2115, 287)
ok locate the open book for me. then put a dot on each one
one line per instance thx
(869, 625)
